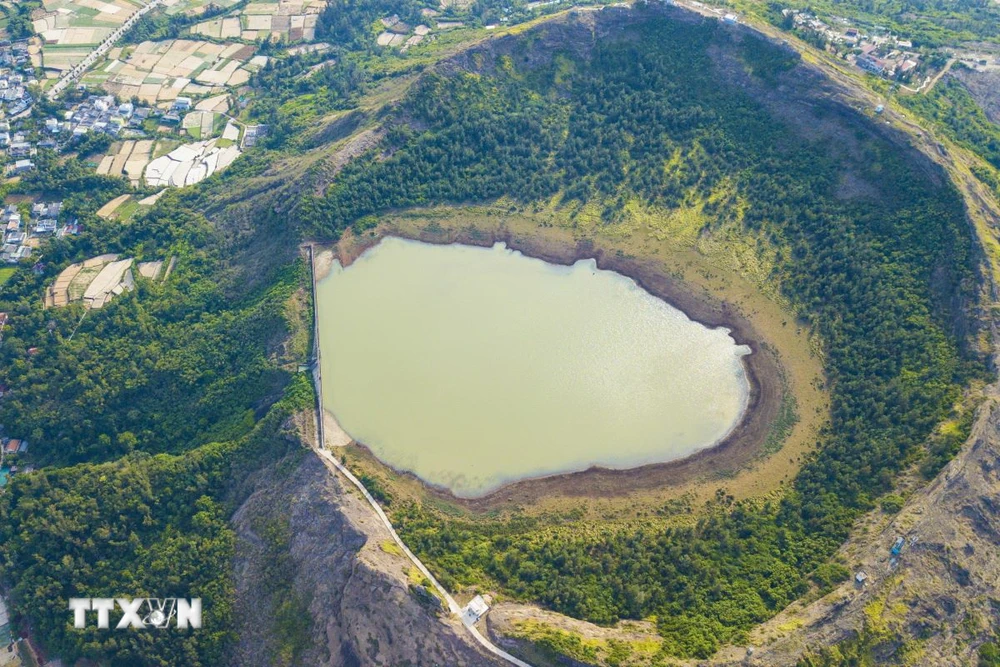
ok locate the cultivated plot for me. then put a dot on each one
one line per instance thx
(70, 29)
(203, 124)
(191, 163)
(98, 280)
(400, 35)
(288, 20)
(195, 7)
(129, 160)
(163, 71)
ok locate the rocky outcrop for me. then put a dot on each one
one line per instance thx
(984, 86)
(318, 581)
(939, 596)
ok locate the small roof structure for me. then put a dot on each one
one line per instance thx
(475, 610)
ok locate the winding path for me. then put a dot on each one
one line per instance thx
(930, 82)
(937, 77)
(325, 454)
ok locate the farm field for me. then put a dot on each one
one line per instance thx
(203, 124)
(400, 35)
(129, 160)
(108, 210)
(71, 28)
(216, 103)
(169, 163)
(98, 280)
(160, 72)
(194, 7)
(288, 20)
(191, 163)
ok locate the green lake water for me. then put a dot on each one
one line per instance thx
(475, 367)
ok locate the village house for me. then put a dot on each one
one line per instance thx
(19, 235)
(23, 166)
(879, 53)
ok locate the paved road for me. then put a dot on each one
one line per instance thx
(71, 76)
(453, 606)
(320, 448)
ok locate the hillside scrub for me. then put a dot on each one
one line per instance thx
(169, 366)
(146, 414)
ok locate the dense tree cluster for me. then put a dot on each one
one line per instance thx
(352, 24)
(184, 366)
(136, 527)
(293, 90)
(17, 18)
(139, 526)
(170, 365)
(952, 107)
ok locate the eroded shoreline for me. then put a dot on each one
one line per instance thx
(739, 447)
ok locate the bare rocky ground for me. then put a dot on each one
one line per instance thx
(305, 539)
(984, 88)
(941, 595)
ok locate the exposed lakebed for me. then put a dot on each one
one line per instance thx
(475, 367)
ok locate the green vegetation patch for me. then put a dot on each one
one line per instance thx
(556, 643)
(150, 414)
(127, 527)
(950, 107)
(168, 367)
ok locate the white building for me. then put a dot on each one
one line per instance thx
(475, 610)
